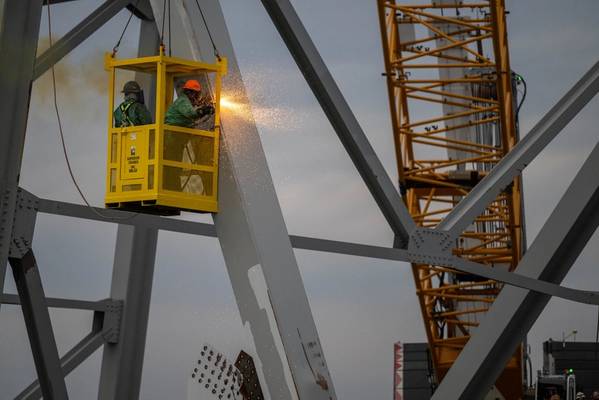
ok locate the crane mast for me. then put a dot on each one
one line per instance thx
(453, 113)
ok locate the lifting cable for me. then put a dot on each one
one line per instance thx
(164, 18)
(118, 43)
(162, 28)
(170, 47)
(216, 53)
(64, 147)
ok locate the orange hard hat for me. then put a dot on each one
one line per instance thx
(194, 85)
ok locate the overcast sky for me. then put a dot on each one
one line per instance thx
(361, 306)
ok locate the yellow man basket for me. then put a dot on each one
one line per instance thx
(159, 168)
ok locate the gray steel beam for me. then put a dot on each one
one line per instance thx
(19, 31)
(73, 358)
(325, 245)
(57, 1)
(135, 255)
(260, 261)
(554, 250)
(142, 9)
(342, 119)
(460, 264)
(39, 327)
(347, 248)
(522, 154)
(126, 218)
(77, 35)
(122, 362)
(202, 229)
(51, 302)
(514, 279)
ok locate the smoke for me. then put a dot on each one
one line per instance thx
(76, 79)
(82, 81)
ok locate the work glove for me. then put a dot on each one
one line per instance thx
(206, 110)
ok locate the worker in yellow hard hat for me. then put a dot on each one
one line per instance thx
(132, 111)
(190, 106)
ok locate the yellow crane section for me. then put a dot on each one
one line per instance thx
(452, 107)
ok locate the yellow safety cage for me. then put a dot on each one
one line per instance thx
(159, 168)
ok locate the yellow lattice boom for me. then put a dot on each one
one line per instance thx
(452, 112)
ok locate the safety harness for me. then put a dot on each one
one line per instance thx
(125, 113)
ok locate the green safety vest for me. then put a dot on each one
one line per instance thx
(124, 107)
(131, 113)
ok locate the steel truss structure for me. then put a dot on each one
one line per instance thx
(453, 116)
(252, 233)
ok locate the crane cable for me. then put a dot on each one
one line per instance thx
(62, 140)
(216, 52)
(170, 47)
(162, 28)
(164, 18)
(118, 43)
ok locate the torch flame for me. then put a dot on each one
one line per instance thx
(266, 117)
(229, 104)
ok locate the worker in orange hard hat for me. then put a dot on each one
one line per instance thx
(190, 107)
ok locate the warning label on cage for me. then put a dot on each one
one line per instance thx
(132, 160)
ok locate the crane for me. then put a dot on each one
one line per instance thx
(452, 97)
